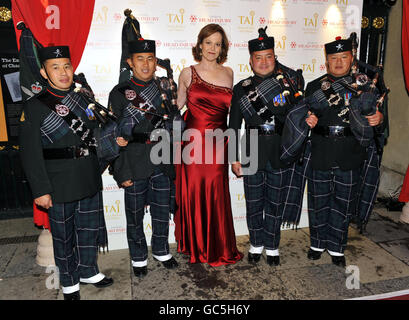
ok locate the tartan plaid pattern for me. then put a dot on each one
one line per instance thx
(267, 90)
(295, 132)
(368, 185)
(265, 194)
(104, 136)
(75, 103)
(52, 129)
(331, 201)
(296, 129)
(156, 192)
(360, 127)
(78, 229)
(107, 148)
(132, 116)
(319, 95)
(299, 173)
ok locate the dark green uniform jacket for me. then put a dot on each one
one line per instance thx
(345, 152)
(134, 161)
(65, 180)
(268, 145)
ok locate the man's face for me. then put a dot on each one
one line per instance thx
(339, 64)
(60, 73)
(143, 65)
(263, 62)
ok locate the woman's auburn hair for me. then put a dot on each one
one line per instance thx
(207, 31)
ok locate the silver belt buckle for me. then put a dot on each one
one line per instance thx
(336, 131)
(268, 128)
(84, 152)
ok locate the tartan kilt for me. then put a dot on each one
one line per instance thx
(299, 173)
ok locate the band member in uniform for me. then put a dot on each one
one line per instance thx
(58, 154)
(346, 107)
(138, 105)
(263, 101)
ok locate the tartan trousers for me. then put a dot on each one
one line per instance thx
(265, 193)
(75, 228)
(155, 191)
(332, 197)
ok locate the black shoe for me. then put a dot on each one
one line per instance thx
(339, 261)
(72, 296)
(170, 264)
(106, 282)
(140, 272)
(273, 260)
(254, 257)
(314, 254)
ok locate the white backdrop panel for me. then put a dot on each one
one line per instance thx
(300, 28)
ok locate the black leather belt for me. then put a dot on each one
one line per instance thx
(333, 131)
(73, 152)
(143, 137)
(267, 129)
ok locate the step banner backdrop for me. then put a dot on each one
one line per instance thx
(300, 29)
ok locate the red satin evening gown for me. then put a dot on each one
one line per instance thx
(203, 221)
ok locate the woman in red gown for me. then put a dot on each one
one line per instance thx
(203, 220)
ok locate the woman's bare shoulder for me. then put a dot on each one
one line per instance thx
(185, 75)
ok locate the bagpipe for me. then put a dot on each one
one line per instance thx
(105, 134)
(171, 120)
(361, 81)
(292, 93)
(376, 84)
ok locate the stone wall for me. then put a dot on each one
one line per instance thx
(396, 153)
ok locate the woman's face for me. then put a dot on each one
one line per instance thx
(211, 46)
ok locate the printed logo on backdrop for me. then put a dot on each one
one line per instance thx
(240, 45)
(282, 4)
(310, 70)
(323, 68)
(212, 3)
(314, 2)
(102, 72)
(178, 44)
(280, 46)
(145, 19)
(137, 3)
(311, 24)
(247, 22)
(100, 17)
(112, 210)
(310, 45)
(309, 67)
(176, 20)
(342, 4)
(195, 19)
(243, 71)
(178, 67)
